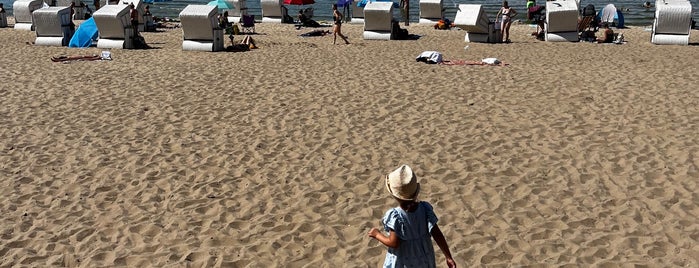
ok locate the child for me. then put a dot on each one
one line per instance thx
(410, 225)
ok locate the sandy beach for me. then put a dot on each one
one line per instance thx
(575, 154)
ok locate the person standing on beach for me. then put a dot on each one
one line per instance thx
(410, 226)
(337, 27)
(507, 14)
(405, 10)
(134, 18)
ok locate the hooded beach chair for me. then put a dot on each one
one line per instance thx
(673, 22)
(474, 20)
(200, 29)
(431, 11)
(23, 13)
(239, 9)
(273, 11)
(247, 24)
(140, 6)
(357, 14)
(53, 25)
(561, 21)
(78, 10)
(114, 26)
(378, 21)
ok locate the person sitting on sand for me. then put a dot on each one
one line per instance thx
(223, 22)
(443, 24)
(607, 34)
(306, 21)
(246, 45)
(247, 40)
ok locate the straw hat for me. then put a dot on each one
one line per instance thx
(402, 183)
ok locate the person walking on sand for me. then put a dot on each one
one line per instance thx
(410, 226)
(337, 28)
(507, 14)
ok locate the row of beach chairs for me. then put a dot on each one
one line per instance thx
(201, 29)
(672, 24)
(431, 11)
(200, 26)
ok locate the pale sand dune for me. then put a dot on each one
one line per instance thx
(576, 154)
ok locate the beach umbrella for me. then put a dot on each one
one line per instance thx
(221, 4)
(299, 2)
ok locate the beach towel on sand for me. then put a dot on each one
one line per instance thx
(431, 57)
(434, 57)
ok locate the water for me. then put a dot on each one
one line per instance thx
(634, 13)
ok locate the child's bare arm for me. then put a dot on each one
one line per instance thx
(442, 243)
(390, 241)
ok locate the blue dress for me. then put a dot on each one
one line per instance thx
(413, 230)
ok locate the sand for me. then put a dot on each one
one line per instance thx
(576, 154)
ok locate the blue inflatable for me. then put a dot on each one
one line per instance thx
(362, 3)
(83, 36)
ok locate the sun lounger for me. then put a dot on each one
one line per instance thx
(23, 13)
(673, 22)
(53, 26)
(273, 11)
(473, 19)
(378, 18)
(561, 21)
(114, 26)
(431, 11)
(200, 28)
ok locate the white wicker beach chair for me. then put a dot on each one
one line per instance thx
(673, 22)
(357, 14)
(140, 7)
(273, 10)
(53, 26)
(561, 21)
(23, 13)
(239, 9)
(378, 18)
(78, 11)
(431, 11)
(474, 20)
(114, 26)
(200, 28)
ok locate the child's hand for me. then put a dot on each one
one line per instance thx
(373, 232)
(451, 263)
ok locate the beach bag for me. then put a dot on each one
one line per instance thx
(431, 57)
